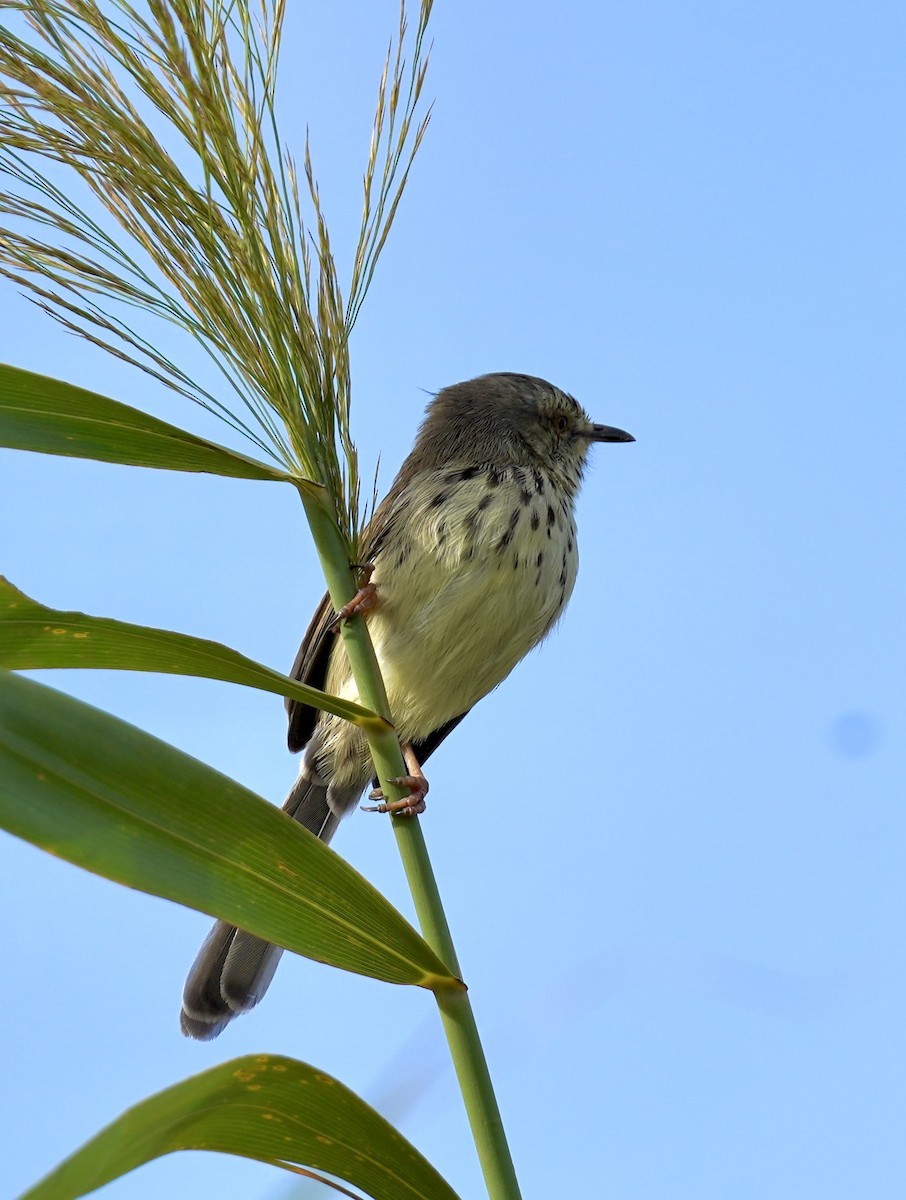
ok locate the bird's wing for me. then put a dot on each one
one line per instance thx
(310, 668)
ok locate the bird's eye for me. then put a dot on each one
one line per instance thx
(560, 422)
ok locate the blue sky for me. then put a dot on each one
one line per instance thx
(672, 844)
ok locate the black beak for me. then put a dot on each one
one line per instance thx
(607, 433)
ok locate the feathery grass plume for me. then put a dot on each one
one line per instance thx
(165, 112)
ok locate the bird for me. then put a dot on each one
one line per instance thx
(472, 557)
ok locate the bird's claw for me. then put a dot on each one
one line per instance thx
(416, 783)
(407, 806)
(365, 598)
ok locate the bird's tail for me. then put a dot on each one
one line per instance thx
(233, 969)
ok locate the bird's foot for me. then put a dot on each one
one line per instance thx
(365, 598)
(407, 806)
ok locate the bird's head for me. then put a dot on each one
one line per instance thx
(515, 420)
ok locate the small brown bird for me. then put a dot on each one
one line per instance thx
(474, 558)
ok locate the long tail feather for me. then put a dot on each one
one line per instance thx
(234, 969)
